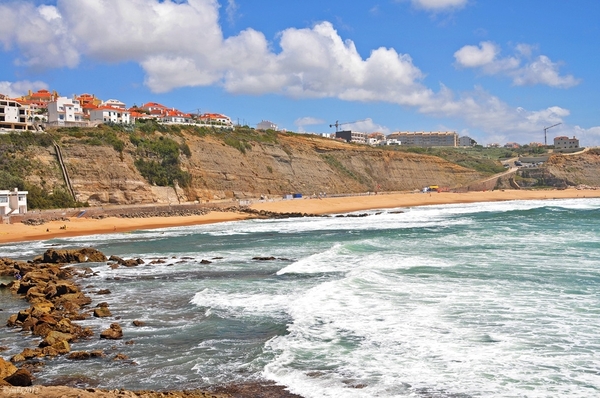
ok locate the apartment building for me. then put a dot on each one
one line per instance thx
(426, 139)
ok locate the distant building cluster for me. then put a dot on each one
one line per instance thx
(45, 108)
(407, 138)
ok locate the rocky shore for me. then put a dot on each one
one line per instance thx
(55, 303)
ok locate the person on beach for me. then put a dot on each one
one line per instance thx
(18, 275)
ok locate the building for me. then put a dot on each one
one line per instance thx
(13, 202)
(110, 114)
(41, 96)
(466, 141)
(14, 115)
(352, 136)
(65, 112)
(563, 142)
(266, 125)
(215, 118)
(390, 141)
(512, 145)
(174, 116)
(114, 103)
(426, 139)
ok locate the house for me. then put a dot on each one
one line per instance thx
(65, 112)
(174, 116)
(266, 125)
(114, 103)
(110, 114)
(215, 118)
(14, 115)
(563, 142)
(13, 202)
(390, 141)
(43, 96)
(512, 145)
(426, 139)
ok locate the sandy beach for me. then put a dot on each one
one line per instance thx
(87, 226)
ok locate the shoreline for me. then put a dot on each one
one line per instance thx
(14, 233)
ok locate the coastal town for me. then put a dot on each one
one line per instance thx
(42, 109)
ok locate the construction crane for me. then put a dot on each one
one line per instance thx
(545, 135)
(337, 124)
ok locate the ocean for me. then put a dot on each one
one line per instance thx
(471, 300)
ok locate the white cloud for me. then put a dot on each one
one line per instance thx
(308, 121)
(17, 89)
(539, 71)
(181, 44)
(439, 5)
(231, 11)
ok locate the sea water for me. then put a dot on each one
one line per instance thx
(471, 300)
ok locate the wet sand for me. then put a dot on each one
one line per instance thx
(328, 205)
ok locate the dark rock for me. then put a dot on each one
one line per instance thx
(21, 378)
(205, 262)
(264, 258)
(103, 291)
(138, 323)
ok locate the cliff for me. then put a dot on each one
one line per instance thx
(110, 165)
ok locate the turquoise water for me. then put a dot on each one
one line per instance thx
(476, 300)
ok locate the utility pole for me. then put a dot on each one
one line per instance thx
(546, 130)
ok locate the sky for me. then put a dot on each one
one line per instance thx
(497, 71)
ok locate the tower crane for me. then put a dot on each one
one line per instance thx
(545, 130)
(337, 124)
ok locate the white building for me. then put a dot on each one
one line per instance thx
(14, 115)
(110, 114)
(390, 141)
(65, 112)
(13, 202)
(266, 125)
(426, 139)
(114, 103)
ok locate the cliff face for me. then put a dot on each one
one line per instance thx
(292, 163)
(101, 175)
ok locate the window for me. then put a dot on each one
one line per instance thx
(3, 199)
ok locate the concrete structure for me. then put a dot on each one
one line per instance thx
(110, 114)
(65, 112)
(266, 125)
(14, 115)
(426, 139)
(13, 202)
(390, 141)
(563, 142)
(465, 140)
(114, 103)
(352, 136)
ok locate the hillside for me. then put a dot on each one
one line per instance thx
(158, 164)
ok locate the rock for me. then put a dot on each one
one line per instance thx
(62, 347)
(54, 256)
(120, 357)
(6, 368)
(97, 354)
(78, 355)
(264, 258)
(116, 259)
(21, 378)
(102, 312)
(103, 291)
(114, 332)
(205, 262)
(93, 255)
(55, 337)
(138, 323)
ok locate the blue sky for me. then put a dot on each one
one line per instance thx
(498, 71)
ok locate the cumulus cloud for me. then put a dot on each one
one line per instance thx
(17, 89)
(520, 67)
(181, 44)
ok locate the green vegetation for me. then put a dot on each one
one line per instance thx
(241, 137)
(163, 168)
(336, 164)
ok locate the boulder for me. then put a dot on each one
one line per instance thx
(55, 337)
(54, 256)
(138, 323)
(21, 378)
(93, 255)
(6, 368)
(114, 332)
(78, 355)
(101, 312)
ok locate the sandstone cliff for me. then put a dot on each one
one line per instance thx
(295, 163)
